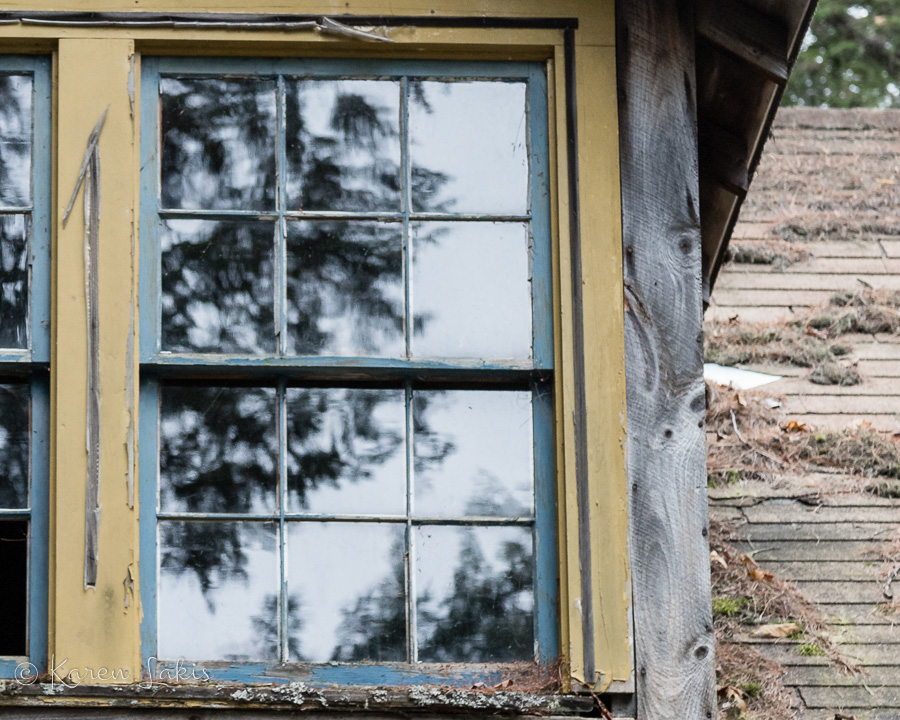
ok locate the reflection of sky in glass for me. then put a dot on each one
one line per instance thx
(474, 593)
(471, 290)
(346, 451)
(489, 470)
(218, 286)
(345, 289)
(217, 624)
(218, 449)
(14, 438)
(13, 282)
(218, 143)
(345, 580)
(15, 140)
(343, 145)
(474, 135)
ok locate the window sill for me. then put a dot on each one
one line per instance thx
(293, 696)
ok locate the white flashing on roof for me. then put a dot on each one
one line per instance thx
(738, 379)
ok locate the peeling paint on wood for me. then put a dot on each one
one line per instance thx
(323, 25)
(89, 180)
(129, 382)
(128, 582)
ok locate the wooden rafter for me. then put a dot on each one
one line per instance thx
(738, 28)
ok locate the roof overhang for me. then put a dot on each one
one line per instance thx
(745, 52)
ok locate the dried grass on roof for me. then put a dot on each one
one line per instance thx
(756, 442)
(811, 340)
(834, 179)
(744, 676)
(773, 252)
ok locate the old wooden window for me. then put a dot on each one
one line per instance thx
(347, 358)
(24, 358)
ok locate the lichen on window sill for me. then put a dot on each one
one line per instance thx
(295, 696)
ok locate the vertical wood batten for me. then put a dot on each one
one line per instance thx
(665, 392)
(94, 628)
(604, 353)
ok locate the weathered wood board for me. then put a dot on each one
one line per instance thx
(665, 390)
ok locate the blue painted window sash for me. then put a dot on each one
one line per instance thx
(34, 361)
(536, 373)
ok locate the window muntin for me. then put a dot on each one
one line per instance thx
(24, 356)
(284, 281)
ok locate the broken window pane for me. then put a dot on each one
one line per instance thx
(491, 317)
(469, 147)
(13, 282)
(343, 145)
(346, 452)
(218, 143)
(218, 286)
(474, 593)
(473, 454)
(218, 449)
(345, 289)
(15, 140)
(346, 592)
(218, 591)
(14, 595)
(15, 431)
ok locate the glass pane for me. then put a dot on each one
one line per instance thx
(218, 143)
(346, 451)
(13, 282)
(469, 147)
(15, 429)
(218, 591)
(218, 449)
(15, 140)
(14, 595)
(473, 454)
(218, 286)
(345, 292)
(343, 145)
(346, 593)
(471, 291)
(474, 594)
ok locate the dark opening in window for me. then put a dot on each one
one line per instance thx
(14, 596)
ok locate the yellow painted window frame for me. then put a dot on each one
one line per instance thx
(99, 67)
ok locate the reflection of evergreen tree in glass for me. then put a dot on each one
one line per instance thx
(266, 627)
(14, 441)
(15, 123)
(353, 452)
(223, 463)
(15, 164)
(213, 552)
(482, 619)
(204, 123)
(321, 174)
(325, 171)
(329, 256)
(374, 627)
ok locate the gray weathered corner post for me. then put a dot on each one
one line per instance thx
(663, 330)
